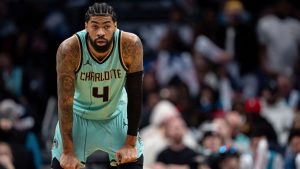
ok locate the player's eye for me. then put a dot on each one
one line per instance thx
(106, 27)
(94, 26)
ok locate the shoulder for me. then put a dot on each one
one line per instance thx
(69, 44)
(293, 23)
(69, 53)
(129, 37)
(130, 42)
(267, 22)
(131, 51)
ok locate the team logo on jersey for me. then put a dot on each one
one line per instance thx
(55, 143)
(87, 62)
(124, 123)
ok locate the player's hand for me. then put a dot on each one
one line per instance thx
(69, 161)
(126, 154)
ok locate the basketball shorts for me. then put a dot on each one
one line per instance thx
(91, 135)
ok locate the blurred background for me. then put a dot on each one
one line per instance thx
(221, 83)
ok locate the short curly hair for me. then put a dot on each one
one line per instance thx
(100, 9)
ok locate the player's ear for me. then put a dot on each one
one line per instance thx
(116, 24)
(85, 25)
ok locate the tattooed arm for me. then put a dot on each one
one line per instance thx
(67, 60)
(132, 54)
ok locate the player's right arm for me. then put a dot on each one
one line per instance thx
(67, 60)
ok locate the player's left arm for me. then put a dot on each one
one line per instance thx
(132, 54)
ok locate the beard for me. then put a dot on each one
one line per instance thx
(100, 49)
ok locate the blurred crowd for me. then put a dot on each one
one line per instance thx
(221, 80)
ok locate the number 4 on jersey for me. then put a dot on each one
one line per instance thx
(104, 95)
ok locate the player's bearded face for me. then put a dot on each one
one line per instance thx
(100, 44)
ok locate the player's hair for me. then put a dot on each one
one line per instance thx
(100, 9)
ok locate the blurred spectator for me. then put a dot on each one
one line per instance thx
(222, 127)
(255, 120)
(7, 24)
(150, 96)
(228, 158)
(153, 135)
(210, 143)
(150, 83)
(176, 20)
(296, 121)
(279, 37)
(276, 111)
(240, 140)
(293, 150)
(6, 157)
(4, 93)
(238, 38)
(286, 90)
(15, 126)
(55, 23)
(260, 156)
(178, 93)
(205, 72)
(175, 60)
(177, 154)
(209, 103)
(13, 116)
(152, 99)
(206, 48)
(208, 52)
(11, 74)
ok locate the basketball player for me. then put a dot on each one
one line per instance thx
(99, 74)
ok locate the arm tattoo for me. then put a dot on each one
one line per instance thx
(67, 60)
(133, 53)
(65, 100)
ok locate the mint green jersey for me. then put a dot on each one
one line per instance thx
(99, 86)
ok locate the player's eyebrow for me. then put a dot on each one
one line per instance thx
(95, 22)
(106, 22)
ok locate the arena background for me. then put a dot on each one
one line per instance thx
(212, 59)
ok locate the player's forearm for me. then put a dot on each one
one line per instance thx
(65, 112)
(65, 105)
(66, 126)
(134, 90)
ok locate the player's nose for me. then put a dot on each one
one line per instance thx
(100, 32)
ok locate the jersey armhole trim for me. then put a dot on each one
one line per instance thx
(81, 54)
(120, 52)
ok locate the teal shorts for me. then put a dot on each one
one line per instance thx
(91, 135)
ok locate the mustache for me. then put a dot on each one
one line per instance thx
(100, 38)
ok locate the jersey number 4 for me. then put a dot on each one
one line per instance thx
(104, 94)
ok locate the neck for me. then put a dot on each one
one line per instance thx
(177, 146)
